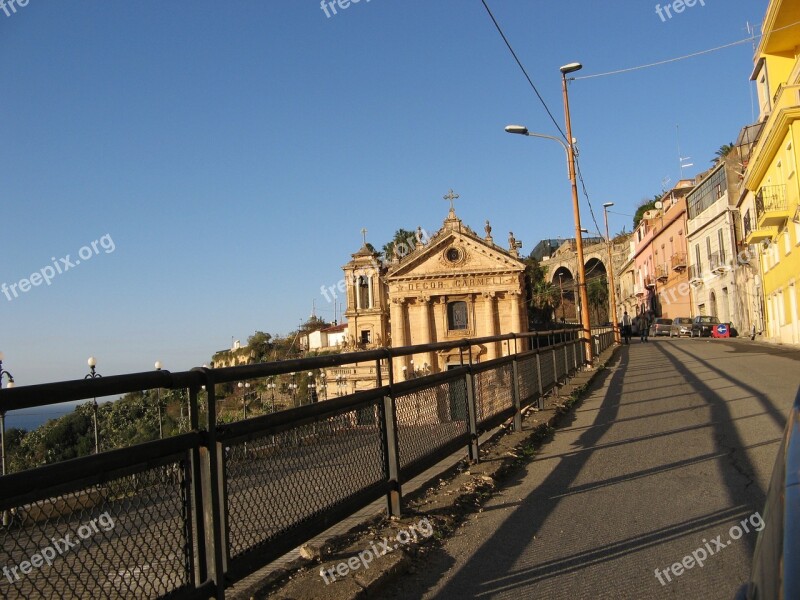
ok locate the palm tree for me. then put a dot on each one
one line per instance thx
(723, 151)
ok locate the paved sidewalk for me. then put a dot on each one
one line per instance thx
(674, 446)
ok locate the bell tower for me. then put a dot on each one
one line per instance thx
(367, 306)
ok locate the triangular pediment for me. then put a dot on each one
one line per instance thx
(452, 253)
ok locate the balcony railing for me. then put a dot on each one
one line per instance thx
(771, 206)
(696, 273)
(662, 273)
(747, 223)
(649, 281)
(679, 261)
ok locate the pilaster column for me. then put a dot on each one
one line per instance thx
(516, 316)
(489, 322)
(425, 329)
(398, 316)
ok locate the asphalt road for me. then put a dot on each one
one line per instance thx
(672, 449)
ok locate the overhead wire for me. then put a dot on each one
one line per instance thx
(686, 56)
(524, 71)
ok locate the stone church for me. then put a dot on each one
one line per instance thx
(452, 285)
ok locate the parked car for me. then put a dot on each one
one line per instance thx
(778, 547)
(703, 325)
(660, 327)
(680, 326)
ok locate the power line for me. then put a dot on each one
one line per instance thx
(585, 193)
(519, 63)
(686, 56)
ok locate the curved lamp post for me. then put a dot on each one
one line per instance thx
(570, 150)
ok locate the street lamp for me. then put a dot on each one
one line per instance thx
(271, 388)
(245, 389)
(311, 388)
(158, 404)
(612, 287)
(6, 518)
(92, 362)
(293, 387)
(570, 150)
(10, 384)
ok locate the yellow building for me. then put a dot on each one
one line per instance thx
(774, 218)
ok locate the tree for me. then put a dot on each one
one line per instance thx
(597, 291)
(260, 346)
(722, 152)
(644, 207)
(402, 244)
(541, 295)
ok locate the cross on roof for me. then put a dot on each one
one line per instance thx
(364, 234)
(451, 196)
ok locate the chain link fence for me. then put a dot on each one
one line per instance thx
(183, 516)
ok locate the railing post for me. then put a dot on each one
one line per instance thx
(472, 411)
(212, 479)
(197, 522)
(574, 354)
(555, 367)
(392, 452)
(515, 390)
(540, 401)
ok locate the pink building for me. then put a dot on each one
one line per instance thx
(661, 280)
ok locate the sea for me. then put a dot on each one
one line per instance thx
(31, 418)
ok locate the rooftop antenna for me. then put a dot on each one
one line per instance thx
(313, 308)
(751, 31)
(681, 159)
(665, 184)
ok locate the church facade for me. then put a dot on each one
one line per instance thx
(452, 285)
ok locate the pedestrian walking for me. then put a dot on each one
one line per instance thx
(626, 327)
(644, 327)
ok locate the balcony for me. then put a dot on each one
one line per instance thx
(696, 274)
(772, 210)
(679, 261)
(638, 290)
(716, 264)
(754, 234)
(649, 281)
(662, 273)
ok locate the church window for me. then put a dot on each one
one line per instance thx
(456, 315)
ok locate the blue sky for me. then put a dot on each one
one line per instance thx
(232, 151)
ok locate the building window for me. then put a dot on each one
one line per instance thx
(456, 315)
(787, 243)
(708, 248)
(365, 336)
(721, 241)
(697, 259)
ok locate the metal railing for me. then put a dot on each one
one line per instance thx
(747, 223)
(187, 515)
(770, 198)
(679, 261)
